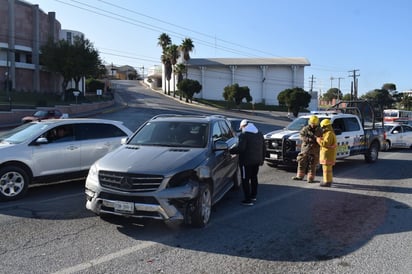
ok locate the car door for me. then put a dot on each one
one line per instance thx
(350, 136)
(96, 140)
(397, 136)
(56, 156)
(407, 136)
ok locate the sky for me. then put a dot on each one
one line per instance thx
(371, 38)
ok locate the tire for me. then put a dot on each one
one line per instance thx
(372, 154)
(237, 178)
(387, 145)
(200, 215)
(271, 164)
(14, 182)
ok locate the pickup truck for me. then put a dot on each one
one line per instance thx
(355, 125)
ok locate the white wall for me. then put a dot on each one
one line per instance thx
(264, 86)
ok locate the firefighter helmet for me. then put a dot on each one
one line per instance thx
(314, 120)
(325, 122)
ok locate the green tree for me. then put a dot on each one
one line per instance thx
(346, 97)
(164, 41)
(389, 87)
(381, 96)
(85, 59)
(173, 53)
(406, 101)
(54, 59)
(71, 61)
(331, 94)
(294, 99)
(189, 87)
(235, 93)
(180, 69)
(186, 47)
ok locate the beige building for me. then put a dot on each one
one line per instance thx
(24, 28)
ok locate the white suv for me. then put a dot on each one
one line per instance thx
(53, 150)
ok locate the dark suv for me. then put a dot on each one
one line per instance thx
(174, 167)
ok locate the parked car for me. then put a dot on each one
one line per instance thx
(44, 114)
(354, 126)
(53, 150)
(174, 167)
(397, 136)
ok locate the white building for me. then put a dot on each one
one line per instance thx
(265, 77)
(69, 36)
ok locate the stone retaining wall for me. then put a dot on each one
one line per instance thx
(14, 116)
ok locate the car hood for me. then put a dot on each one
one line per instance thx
(278, 134)
(31, 118)
(151, 160)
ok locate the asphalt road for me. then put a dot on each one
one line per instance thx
(361, 225)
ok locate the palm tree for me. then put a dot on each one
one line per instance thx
(168, 70)
(174, 54)
(179, 70)
(186, 47)
(164, 41)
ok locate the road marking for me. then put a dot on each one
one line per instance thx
(106, 258)
(146, 244)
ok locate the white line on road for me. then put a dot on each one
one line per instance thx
(146, 244)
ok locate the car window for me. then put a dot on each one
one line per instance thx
(171, 133)
(351, 124)
(216, 131)
(339, 125)
(398, 129)
(89, 131)
(226, 132)
(60, 134)
(22, 133)
(298, 124)
(407, 129)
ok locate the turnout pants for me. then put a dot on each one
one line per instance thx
(307, 163)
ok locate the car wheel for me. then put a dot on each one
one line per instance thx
(371, 155)
(237, 178)
(202, 207)
(271, 164)
(14, 183)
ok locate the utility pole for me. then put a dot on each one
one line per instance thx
(354, 86)
(311, 81)
(339, 78)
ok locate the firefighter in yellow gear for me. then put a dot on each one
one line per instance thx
(308, 157)
(328, 147)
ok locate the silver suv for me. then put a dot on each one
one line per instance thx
(53, 150)
(174, 167)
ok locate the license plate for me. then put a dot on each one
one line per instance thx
(273, 156)
(124, 207)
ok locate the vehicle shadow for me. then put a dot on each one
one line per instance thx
(291, 222)
(288, 223)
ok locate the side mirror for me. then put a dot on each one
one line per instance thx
(395, 132)
(41, 140)
(220, 145)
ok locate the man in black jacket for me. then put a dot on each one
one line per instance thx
(251, 150)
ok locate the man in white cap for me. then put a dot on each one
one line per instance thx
(251, 150)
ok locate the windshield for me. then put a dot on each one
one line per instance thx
(174, 134)
(40, 113)
(22, 133)
(298, 124)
